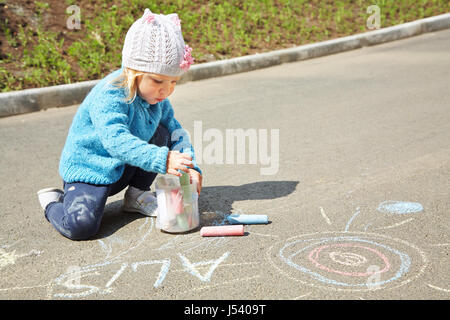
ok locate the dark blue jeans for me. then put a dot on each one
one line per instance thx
(79, 216)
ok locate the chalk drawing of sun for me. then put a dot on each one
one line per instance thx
(351, 261)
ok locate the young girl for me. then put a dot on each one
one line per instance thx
(122, 132)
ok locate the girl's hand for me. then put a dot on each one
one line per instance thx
(178, 161)
(197, 177)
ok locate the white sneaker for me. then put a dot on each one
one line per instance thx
(144, 202)
(49, 195)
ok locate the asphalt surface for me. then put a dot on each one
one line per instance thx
(350, 159)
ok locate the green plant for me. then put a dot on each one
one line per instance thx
(224, 29)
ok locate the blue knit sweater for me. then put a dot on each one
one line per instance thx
(107, 133)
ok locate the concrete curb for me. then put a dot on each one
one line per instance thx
(30, 100)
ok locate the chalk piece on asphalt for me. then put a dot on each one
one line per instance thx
(248, 218)
(218, 231)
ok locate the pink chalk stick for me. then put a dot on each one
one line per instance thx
(177, 201)
(218, 231)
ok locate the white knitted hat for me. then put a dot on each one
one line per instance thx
(154, 44)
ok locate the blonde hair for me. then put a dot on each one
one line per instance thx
(128, 81)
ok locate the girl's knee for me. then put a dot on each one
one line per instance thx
(83, 227)
(83, 210)
(82, 220)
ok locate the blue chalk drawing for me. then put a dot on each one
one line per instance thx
(404, 258)
(351, 219)
(400, 207)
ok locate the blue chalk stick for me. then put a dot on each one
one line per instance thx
(247, 218)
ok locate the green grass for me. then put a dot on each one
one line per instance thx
(223, 29)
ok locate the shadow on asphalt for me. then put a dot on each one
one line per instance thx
(215, 203)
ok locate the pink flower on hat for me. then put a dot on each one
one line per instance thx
(149, 18)
(176, 20)
(187, 60)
